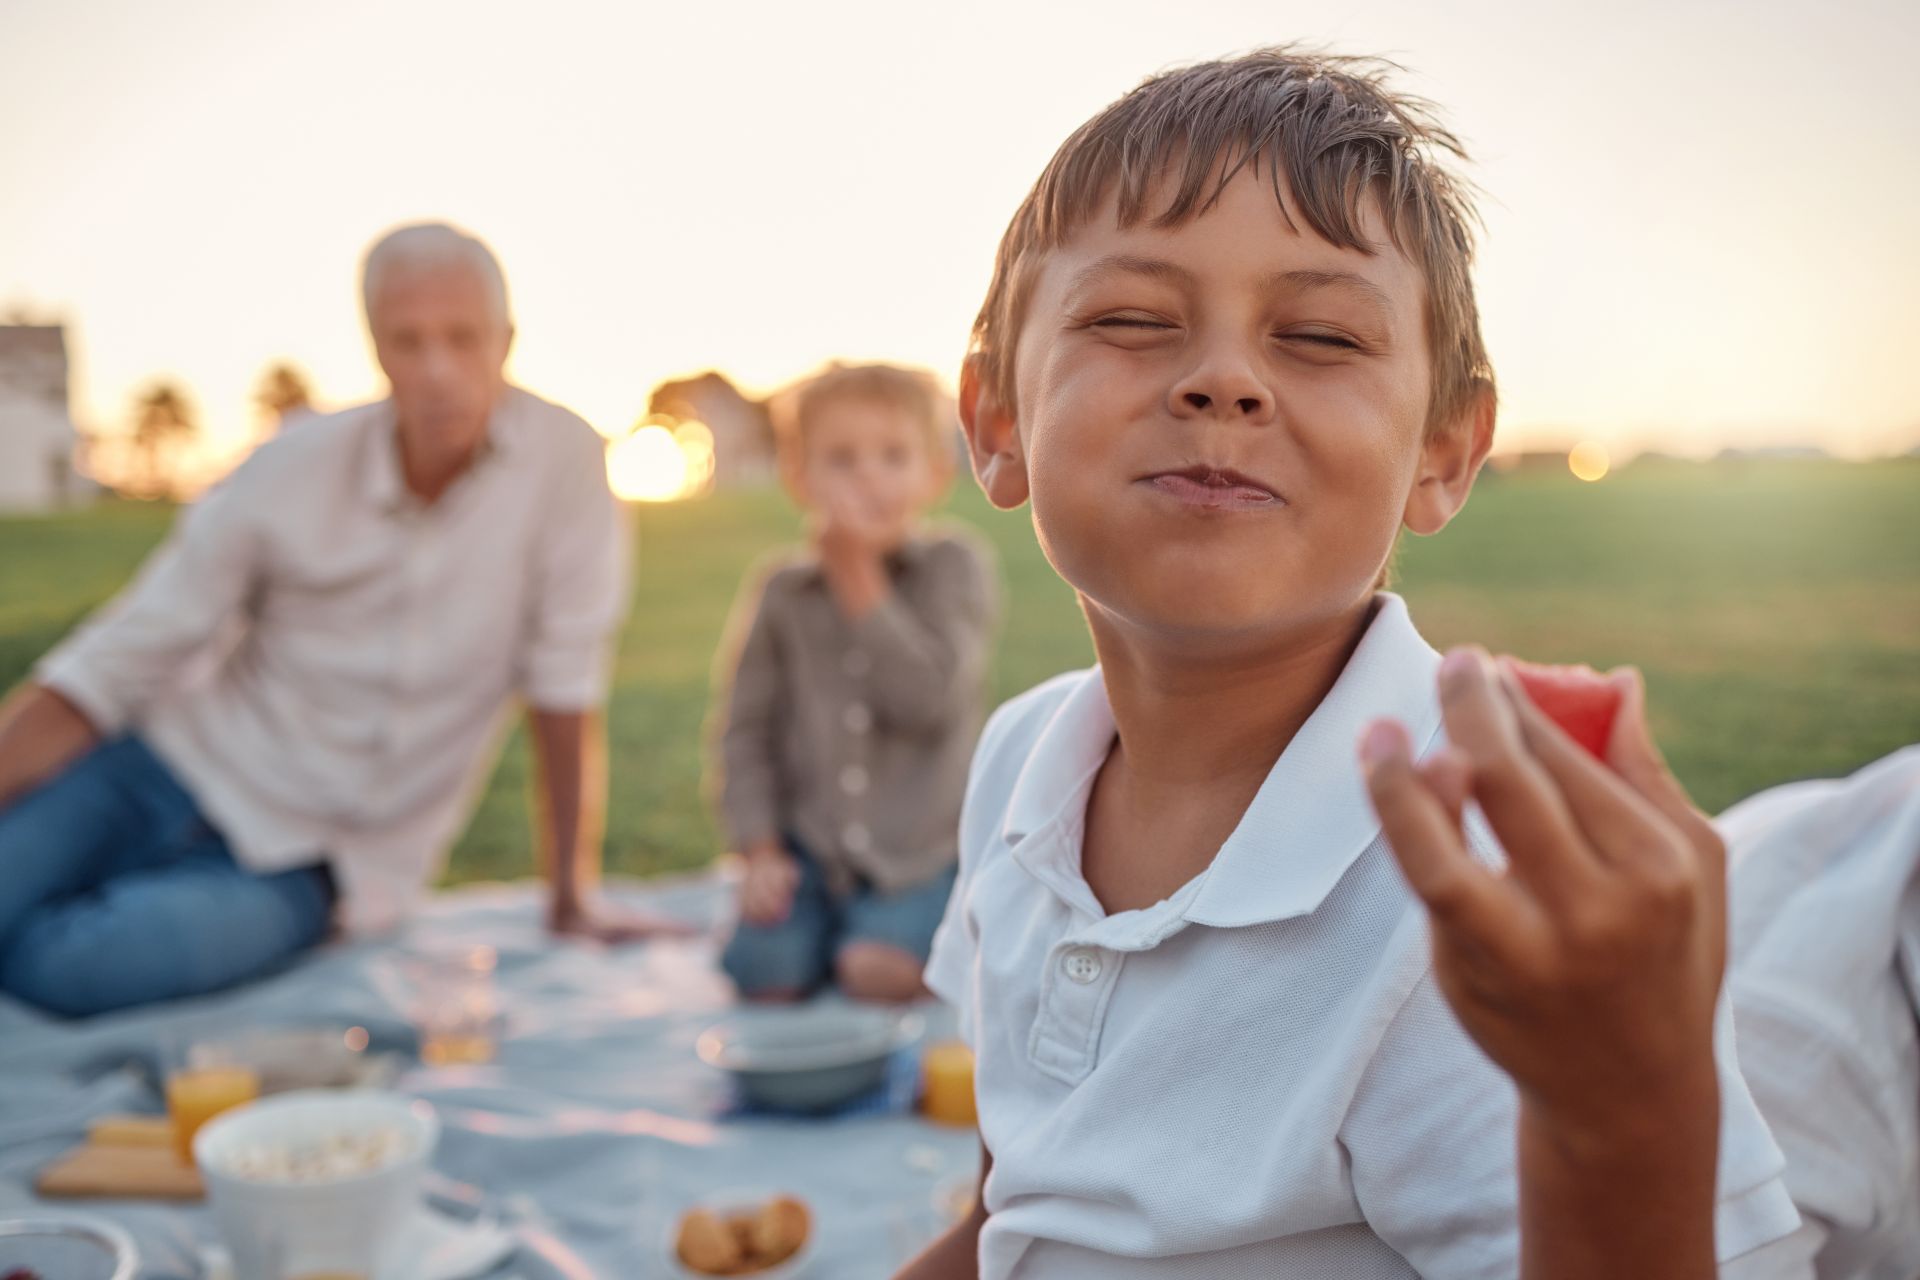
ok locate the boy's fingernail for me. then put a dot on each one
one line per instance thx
(1458, 665)
(1380, 741)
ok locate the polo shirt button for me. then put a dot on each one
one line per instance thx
(856, 718)
(1081, 965)
(853, 780)
(856, 837)
(856, 663)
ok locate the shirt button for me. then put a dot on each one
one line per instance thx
(853, 780)
(857, 718)
(1082, 965)
(856, 837)
(856, 663)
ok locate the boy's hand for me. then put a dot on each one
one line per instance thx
(851, 544)
(766, 891)
(1593, 963)
(1589, 969)
(845, 528)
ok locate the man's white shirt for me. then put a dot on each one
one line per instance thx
(352, 649)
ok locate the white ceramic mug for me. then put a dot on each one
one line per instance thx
(339, 1226)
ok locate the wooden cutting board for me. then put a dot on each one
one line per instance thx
(124, 1157)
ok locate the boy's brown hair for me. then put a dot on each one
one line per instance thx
(912, 391)
(1325, 130)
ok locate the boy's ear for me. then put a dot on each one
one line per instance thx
(993, 440)
(1449, 463)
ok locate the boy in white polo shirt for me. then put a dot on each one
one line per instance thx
(1229, 351)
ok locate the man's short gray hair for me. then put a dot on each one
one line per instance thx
(431, 244)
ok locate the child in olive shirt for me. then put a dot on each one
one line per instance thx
(854, 700)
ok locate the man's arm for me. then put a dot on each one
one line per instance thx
(579, 601)
(41, 733)
(99, 681)
(571, 753)
(956, 1254)
(570, 749)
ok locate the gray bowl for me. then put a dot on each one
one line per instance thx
(67, 1249)
(812, 1058)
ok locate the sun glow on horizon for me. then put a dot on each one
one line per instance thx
(1588, 461)
(661, 462)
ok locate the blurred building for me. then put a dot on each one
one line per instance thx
(38, 443)
(743, 452)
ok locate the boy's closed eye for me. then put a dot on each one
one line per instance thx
(1336, 341)
(1130, 322)
(1122, 322)
(1132, 329)
(1322, 347)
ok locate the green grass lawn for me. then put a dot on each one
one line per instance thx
(1775, 608)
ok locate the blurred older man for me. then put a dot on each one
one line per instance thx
(280, 722)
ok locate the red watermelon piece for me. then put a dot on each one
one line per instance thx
(1578, 699)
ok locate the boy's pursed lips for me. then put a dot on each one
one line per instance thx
(1214, 488)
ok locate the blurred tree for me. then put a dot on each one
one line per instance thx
(163, 422)
(284, 395)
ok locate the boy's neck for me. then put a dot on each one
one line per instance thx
(1191, 716)
(1199, 730)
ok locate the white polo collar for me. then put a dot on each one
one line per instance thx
(386, 486)
(1310, 819)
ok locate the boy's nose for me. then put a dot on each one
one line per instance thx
(1222, 387)
(1247, 405)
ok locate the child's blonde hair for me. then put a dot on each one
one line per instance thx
(912, 391)
(1324, 130)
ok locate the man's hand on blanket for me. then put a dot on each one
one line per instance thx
(614, 925)
(1588, 969)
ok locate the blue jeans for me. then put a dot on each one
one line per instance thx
(797, 954)
(114, 891)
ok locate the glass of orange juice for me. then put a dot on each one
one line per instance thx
(203, 1081)
(946, 1084)
(456, 1008)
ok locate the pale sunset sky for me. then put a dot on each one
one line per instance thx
(1701, 216)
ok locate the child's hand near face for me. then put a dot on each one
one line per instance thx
(851, 538)
(846, 527)
(766, 891)
(1589, 970)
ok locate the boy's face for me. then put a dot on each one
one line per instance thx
(1221, 424)
(865, 464)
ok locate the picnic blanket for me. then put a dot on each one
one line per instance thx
(597, 1124)
(590, 1132)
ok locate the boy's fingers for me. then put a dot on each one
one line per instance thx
(1620, 824)
(1543, 844)
(1632, 754)
(765, 907)
(1426, 839)
(766, 897)
(1450, 778)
